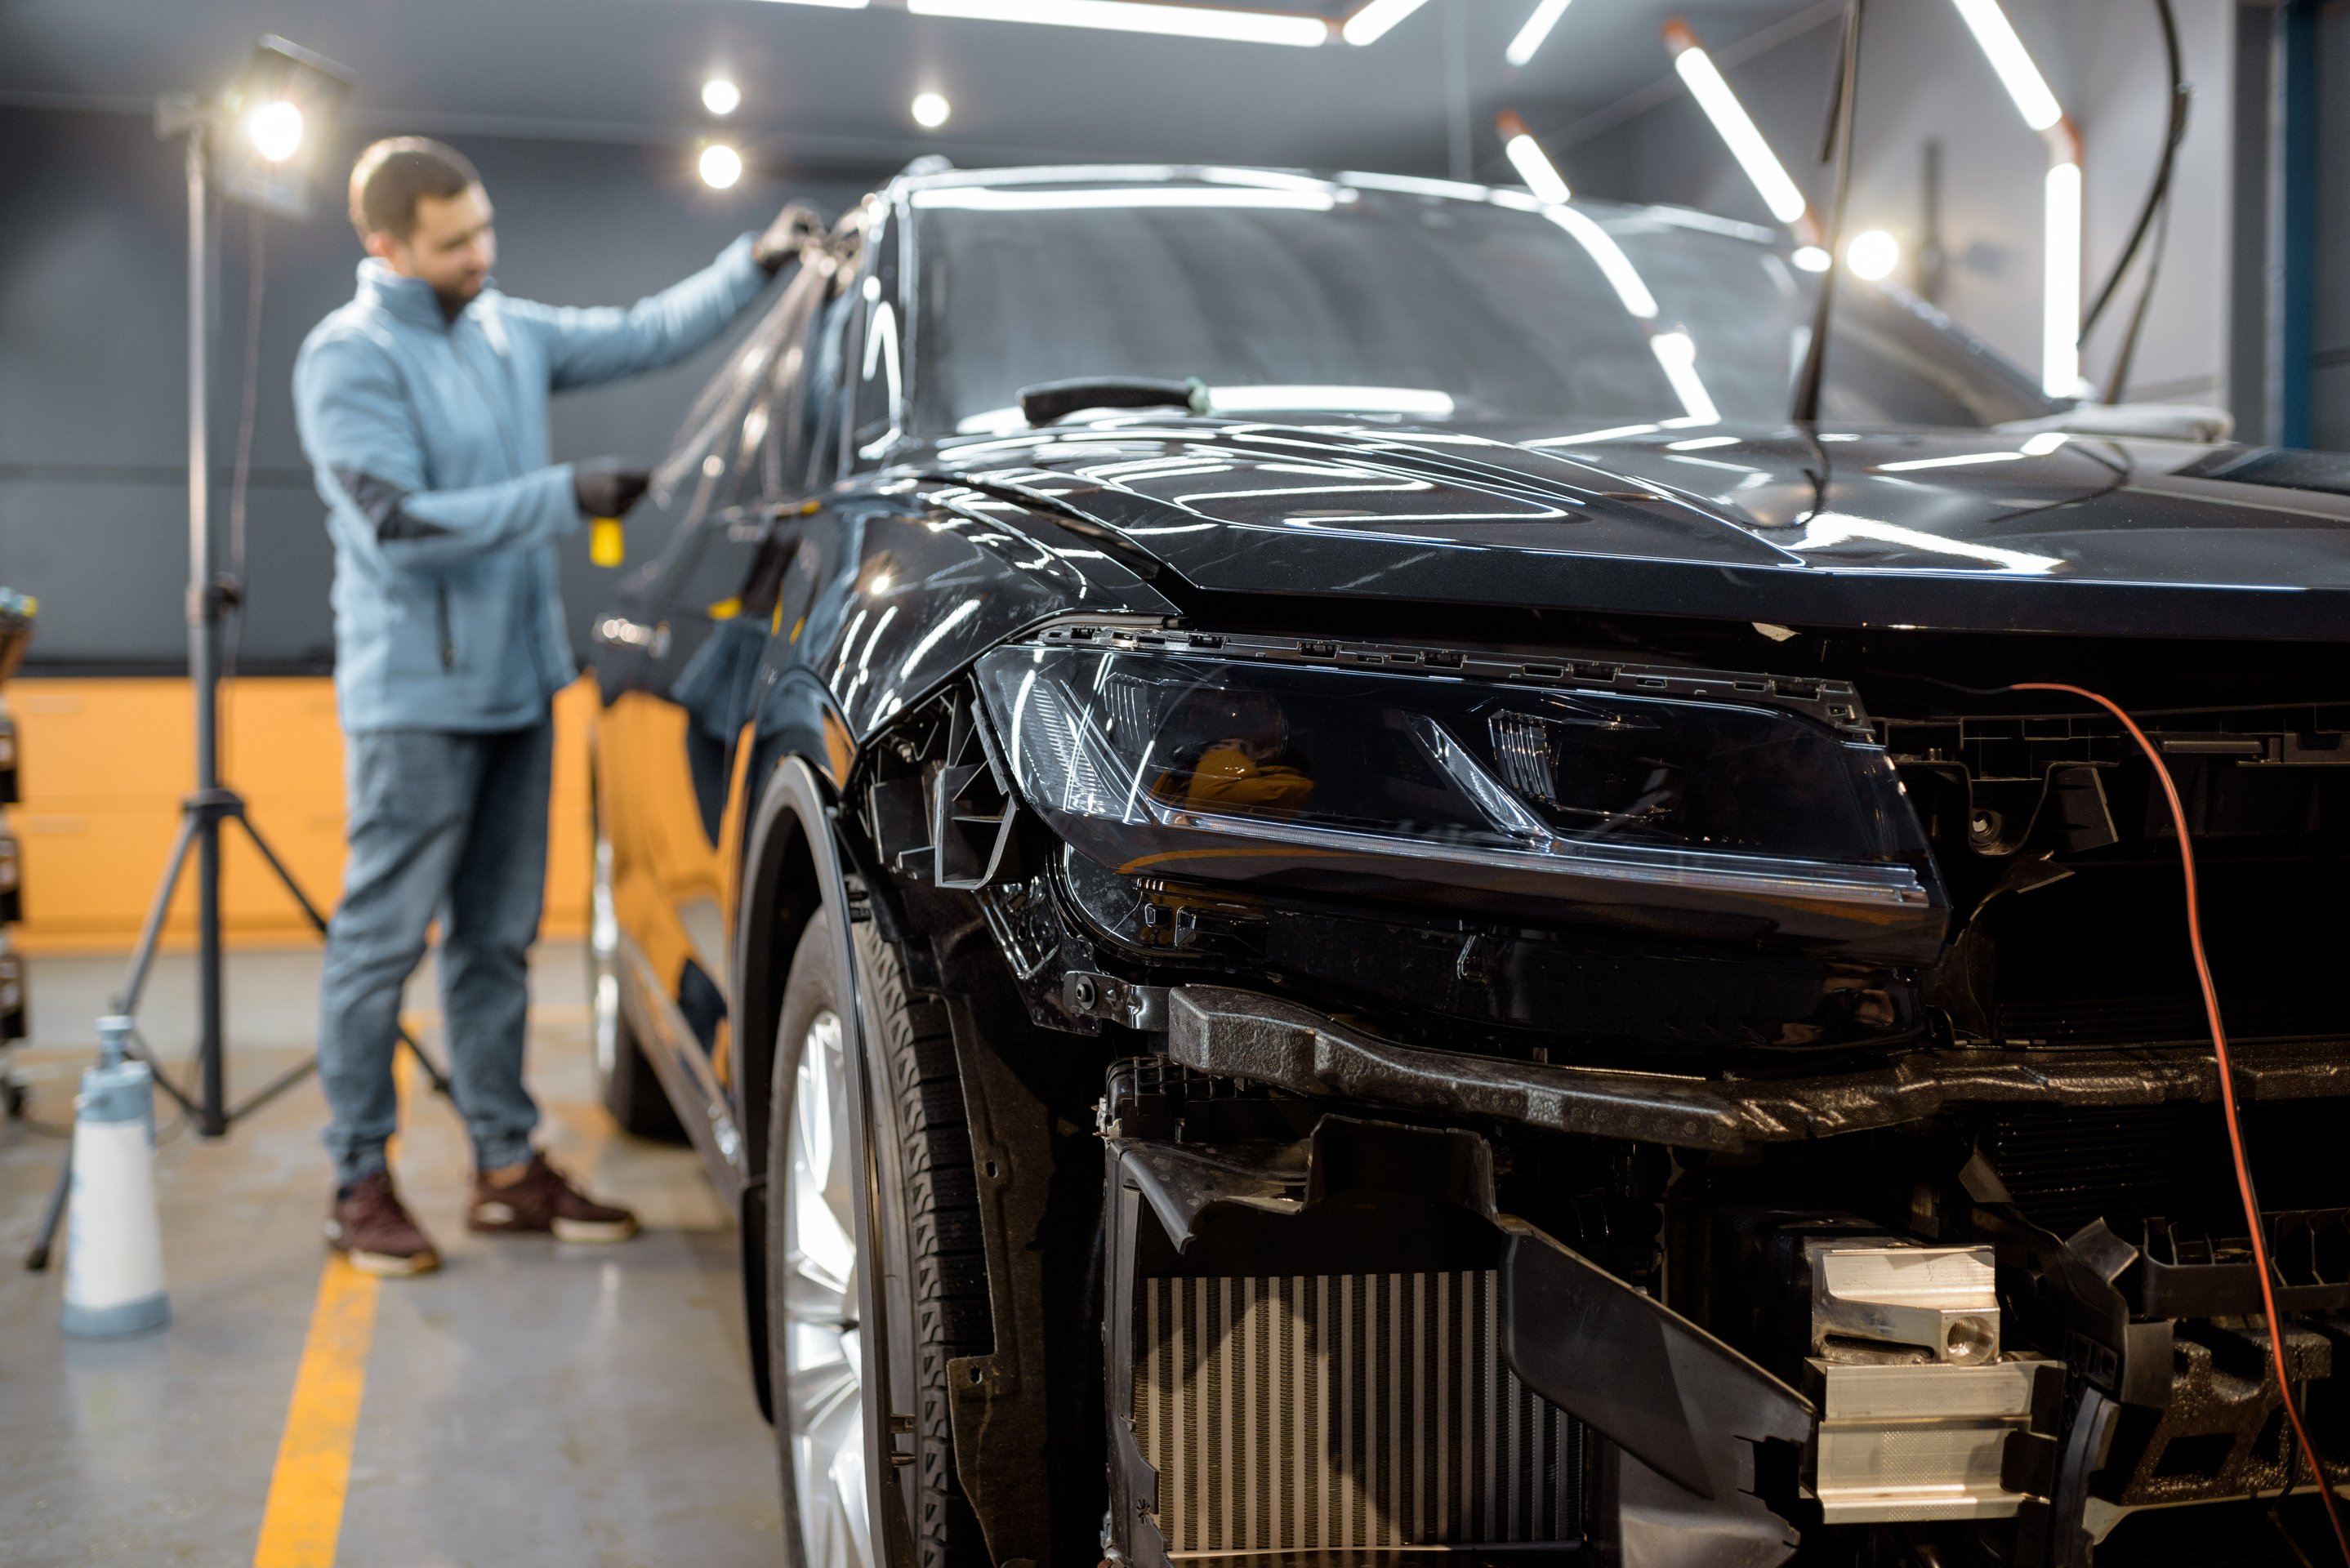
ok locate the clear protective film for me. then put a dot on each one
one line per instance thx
(765, 363)
(1736, 820)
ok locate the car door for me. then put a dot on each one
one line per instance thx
(675, 656)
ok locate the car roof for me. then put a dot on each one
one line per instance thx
(906, 187)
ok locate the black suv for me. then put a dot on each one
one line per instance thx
(1324, 892)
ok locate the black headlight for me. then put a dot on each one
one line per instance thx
(1681, 803)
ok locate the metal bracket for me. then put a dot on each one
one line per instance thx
(1113, 1000)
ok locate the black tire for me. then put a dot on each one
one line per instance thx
(625, 1079)
(933, 1274)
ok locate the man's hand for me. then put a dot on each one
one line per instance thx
(608, 486)
(795, 228)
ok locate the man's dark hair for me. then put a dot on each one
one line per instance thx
(392, 175)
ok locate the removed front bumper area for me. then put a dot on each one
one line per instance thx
(1339, 1321)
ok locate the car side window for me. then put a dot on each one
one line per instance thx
(825, 382)
(877, 377)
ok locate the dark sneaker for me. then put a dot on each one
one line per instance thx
(541, 1200)
(368, 1225)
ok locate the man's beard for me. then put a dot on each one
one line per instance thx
(453, 301)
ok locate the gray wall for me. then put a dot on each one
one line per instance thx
(93, 366)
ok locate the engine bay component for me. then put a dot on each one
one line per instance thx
(1710, 1441)
(1700, 804)
(972, 808)
(1268, 1040)
(1941, 1300)
(1091, 995)
(1917, 1442)
(1344, 1413)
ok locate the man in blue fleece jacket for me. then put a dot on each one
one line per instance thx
(422, 408)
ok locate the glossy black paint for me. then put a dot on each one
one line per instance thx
(852, 602)
(844, 609)
(927, 553)
(2095, 536)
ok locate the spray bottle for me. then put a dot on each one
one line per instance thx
(114, 1246)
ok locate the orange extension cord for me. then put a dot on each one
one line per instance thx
(2227, 1103)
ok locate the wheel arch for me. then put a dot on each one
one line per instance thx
(791, 869)
(786, 879)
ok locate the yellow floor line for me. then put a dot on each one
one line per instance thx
(303, 1519)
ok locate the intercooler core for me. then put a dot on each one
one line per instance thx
(1341, 1412)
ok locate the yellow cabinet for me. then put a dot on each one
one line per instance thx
(105, 762)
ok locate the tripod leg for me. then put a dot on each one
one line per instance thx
(141, 1050)
(38, 1258)
(212, 1045)
(142, 957)
(272, 1089)
(310, 911)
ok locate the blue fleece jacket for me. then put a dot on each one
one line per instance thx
(429, 439)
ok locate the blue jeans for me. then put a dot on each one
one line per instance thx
(450, 825)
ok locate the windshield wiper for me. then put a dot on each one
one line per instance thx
(1048, 401)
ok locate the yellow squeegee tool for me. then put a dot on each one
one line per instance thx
(606, 546)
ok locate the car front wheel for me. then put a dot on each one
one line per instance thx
(930, 1286)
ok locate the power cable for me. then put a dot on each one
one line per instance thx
(1837, 142)
(2118, 377)
(2154, 214)
(2233, 1118)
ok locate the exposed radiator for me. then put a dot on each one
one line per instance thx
(1341, 1412)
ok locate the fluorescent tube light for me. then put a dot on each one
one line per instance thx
(2059, 370)
(1049, 199)
(1371, 23)
(1537, 28)
(1413, 185)
(1526, 156)
(2013, 61)
(1964, 460)
(1534, 167)
(1735, 126)
(1601, 246)
(1827, 530)
(1138, 16)
(1412, 402)
(1676, 354)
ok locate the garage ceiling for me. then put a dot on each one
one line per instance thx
(831, 86)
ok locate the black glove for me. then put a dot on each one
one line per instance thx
(608, 486)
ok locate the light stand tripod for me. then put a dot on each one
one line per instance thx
(212, 804)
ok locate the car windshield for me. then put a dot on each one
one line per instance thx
(1298, 294)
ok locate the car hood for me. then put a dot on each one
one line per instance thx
(1958, 530)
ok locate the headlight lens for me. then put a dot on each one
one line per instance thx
(1699, 815)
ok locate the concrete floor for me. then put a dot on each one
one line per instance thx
(532, 1403)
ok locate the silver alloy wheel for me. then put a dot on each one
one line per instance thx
(823, 1393)
(604, 957)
